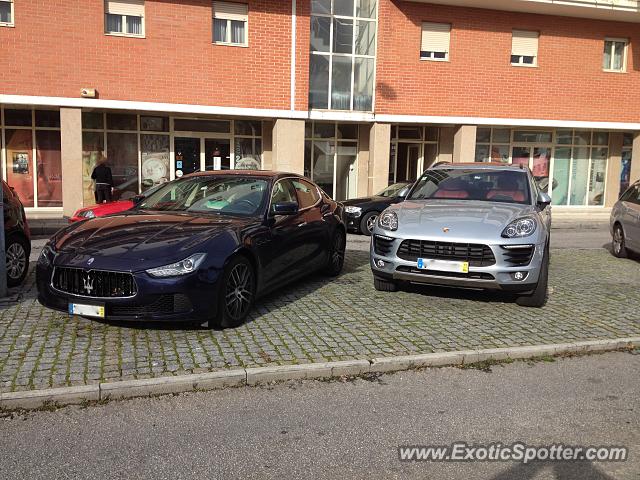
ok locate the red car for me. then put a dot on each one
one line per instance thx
(101, 210)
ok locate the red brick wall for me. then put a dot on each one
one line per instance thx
(58, 46)
(568, 83)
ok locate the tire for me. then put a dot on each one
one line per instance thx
(336, 254)
(17, 260)
(538, 298)
(236, 294)
(384, 285)
(618, 242)
(368, 222)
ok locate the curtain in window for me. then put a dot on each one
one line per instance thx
(220, 30)
(134, 25)
(5, 12)
(114, 23)
(237, 32)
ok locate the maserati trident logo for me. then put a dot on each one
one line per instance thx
(445, 229)
(90, 261)
(88, 284)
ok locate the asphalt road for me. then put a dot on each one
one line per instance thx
(347, 429)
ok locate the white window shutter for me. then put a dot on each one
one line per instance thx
(524, 43)
(435, 37)
(125, 7)
(230, 11)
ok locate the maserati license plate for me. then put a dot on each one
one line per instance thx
(86, 310)
(443, 265)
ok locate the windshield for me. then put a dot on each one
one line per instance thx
(392, 190)
(211, 194)
(468, 184)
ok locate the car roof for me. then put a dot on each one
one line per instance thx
(480, 166)
(244, 173)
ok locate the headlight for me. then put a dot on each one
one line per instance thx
(354, 210)
(46, 256)
(183, 267)
(388, 221)
(88, 214)
(522, 227)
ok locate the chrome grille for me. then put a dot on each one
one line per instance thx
(476, 254)
(94, 283)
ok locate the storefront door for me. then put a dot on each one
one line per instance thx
(408, 166)
(187, 155)
(217, 154)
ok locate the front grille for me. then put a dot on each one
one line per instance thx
(471, 275)
(477, 255)
(519, 257)
(163, 305)
(94, 283)
(382, 245)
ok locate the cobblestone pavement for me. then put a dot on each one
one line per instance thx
(593, 296)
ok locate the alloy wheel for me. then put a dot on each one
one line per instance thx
(239, 292)
(16, 260)
(337, 255)
(617, 240)
(371, 222)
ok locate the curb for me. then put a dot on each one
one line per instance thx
(34, 399)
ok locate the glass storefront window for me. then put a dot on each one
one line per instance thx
(92, 120)
(561, 173)
(501, 135)
(17, 118)
(347, 131)
(248, 153)
(598, 175)
(48, 118)
(19, 148)
(92, 153)
(492, 144)
(323, 165)
(154, 124)
(49, 168)
(625, 168)
(122, 121)
(579, 175)
(483, 135)
(122, 157)
(414, 148)
(155, 165)
(213, 126)
(532, 136)
(247, 127)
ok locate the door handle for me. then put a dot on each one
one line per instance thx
(302, 224)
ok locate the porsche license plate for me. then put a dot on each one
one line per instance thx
(86, 310)
(443, 265)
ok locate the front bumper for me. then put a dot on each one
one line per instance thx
(352, 221)
(499, 276)
(188, 298)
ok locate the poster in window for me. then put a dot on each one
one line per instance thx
(21, 163)
(155, 160)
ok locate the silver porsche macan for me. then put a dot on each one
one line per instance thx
(479, 226)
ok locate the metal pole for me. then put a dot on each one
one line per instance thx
(3, 257)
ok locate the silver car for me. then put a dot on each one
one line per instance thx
(625, 222)
(478, 225)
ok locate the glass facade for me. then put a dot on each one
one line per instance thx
(343, 48)
(31, 155)
(625, 168)
(330, 158)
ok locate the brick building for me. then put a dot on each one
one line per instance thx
(356, 94)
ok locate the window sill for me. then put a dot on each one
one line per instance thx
(524, 65)
(613, 71)
(127, 35)
(445, 60)
(8, 25)
(225, 44)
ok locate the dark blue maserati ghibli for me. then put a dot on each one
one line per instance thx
(200, 248)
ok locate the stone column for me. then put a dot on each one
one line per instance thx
(464, 144)
(71, 153)
(379, 151)
(363, 160)
(445, 147)
(267, 145)
(614, 167)
(635, 159)
(287, 152)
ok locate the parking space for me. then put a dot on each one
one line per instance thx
(592, 296)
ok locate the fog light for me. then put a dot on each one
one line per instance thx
(519, 276)
(380, 263)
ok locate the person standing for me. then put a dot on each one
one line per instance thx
(103, 182)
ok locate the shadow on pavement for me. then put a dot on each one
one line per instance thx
(570, 470)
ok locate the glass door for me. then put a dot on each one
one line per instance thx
(537, 158)
(408, 162)
(217, 154)
(187, 155)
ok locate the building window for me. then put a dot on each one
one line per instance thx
(435, 41)
(615, 55)
(524, 48)
(124, 17)
(6, 12)
(230, 22)
(492, 144)
(343, 49)
(414, 148)
(330, 158)
(32, 159)
(625, 171)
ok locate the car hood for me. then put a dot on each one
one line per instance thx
(134, 241)
(466, 221)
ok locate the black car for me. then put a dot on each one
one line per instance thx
(17, 238)
(200, 248)
(361, 213)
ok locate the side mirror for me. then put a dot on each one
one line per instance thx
(285, 208)
(544, 200)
